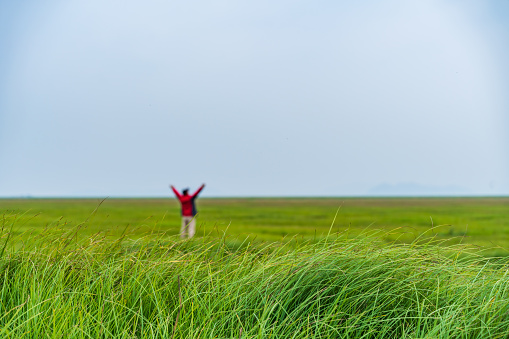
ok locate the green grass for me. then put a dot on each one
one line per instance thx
(56, 286)
(479, 221)
(259, 268)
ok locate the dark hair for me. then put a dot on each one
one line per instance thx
(185, 191)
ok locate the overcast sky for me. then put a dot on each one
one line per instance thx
(254, 98)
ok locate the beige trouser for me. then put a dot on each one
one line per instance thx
(188, 226)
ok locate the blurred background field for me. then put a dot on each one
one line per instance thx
(477, 221)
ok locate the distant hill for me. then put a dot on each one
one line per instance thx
(414, 189)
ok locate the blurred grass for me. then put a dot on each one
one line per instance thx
(478, 221)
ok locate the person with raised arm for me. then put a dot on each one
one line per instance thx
(188, 210)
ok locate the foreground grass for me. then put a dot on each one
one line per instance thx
(57, 286)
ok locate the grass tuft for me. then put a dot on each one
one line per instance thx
(60, 285)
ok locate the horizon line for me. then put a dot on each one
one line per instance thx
(27, 197)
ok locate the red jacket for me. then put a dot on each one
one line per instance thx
(187, 202)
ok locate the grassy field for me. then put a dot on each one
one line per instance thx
(479, 221)
(260, 268)
(57, 286)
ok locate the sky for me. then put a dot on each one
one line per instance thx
(254, 98)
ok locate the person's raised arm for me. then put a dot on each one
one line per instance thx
(175, 191)
(198, 190)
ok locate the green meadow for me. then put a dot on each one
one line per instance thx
(478, 221)
(258, 268)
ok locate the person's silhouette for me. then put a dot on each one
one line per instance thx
(188, 211)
